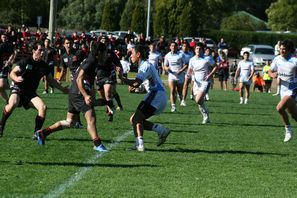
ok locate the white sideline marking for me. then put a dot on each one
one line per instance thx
(82, 171)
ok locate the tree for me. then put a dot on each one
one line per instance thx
(109, 17)
(160, 18)
(138, 23)
(126, 16)
(282, 15)
(242, 22)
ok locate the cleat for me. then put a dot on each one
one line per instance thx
(163, 136)
(183, 103)
(140, 148)
(288, 136)
(246, 101)
(100, 148)
(40, 137)
(34, 136)
(110, 117)
(120, 108)
(78, 125)
(206, 120)
(173, 109)
(45, 92)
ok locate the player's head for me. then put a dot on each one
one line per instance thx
(37, 49)
(139, 52)
(286, 47)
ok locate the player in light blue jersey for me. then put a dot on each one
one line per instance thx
(154, 102)
(284, 67)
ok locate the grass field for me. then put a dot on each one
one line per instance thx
(240, 154)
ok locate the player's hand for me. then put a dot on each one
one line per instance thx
(88, 100)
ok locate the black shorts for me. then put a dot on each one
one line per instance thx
(223, 74)
(25, 98)
(147, 109)
(105, 80)
(76, 104)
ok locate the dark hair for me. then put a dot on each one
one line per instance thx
(142, 50)
(97, 47)
(246, 52)
(35, 44)
(289, 45)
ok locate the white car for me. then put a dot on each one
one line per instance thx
(259, 54)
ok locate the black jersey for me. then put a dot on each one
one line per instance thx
(107, 68)
(90, 67)
(6, 50)
(72, 60)
(31, 71)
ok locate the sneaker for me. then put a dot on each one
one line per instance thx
(173, 109)
(288, 135)
(206, 97)
(100, 148)
(78, 125)
(205, 120)
(183, 103)
(52, 91)
(163, 136)
(246, 101)
(40, 137)
(45, 92)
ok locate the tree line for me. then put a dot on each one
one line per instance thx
(168, 17)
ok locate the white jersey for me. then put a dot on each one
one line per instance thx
(200, 67)
(174, 61)
(147, 71)
(156, 95)
(287, 73)
(246, 67)
(154, 58)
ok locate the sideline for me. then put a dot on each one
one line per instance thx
(56, 192)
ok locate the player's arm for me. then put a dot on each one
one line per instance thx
(15, 74)
(272, 74)
(56, 84)
(11, 59)
(131, 82)
(80, 85)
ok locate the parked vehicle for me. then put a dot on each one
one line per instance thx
(209, 42)
(259, 54)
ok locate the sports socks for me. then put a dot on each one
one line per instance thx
(38, 122)
(97, 141)
(5, 116)
(118, 99)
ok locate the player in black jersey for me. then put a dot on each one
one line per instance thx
(25, 78)
(82, 99)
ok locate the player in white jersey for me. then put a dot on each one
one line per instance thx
(284, 67)
(199, 68)
(154, 102)
(187, 55)
(245, 71)
(174, 65)
(155, 58)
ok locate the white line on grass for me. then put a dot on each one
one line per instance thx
(82, 171)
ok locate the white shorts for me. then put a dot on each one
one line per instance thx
(177, 78)
(245, 81)
(285, 91)
(201, 86)
(157, 99)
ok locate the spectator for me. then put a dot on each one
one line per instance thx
(266, 77)
(223, 47)
(258, 82)
(232, 70)
(223, 70)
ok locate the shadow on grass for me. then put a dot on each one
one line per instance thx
(79, 164)
(179, 150)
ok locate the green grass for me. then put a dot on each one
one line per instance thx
(240, 154)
